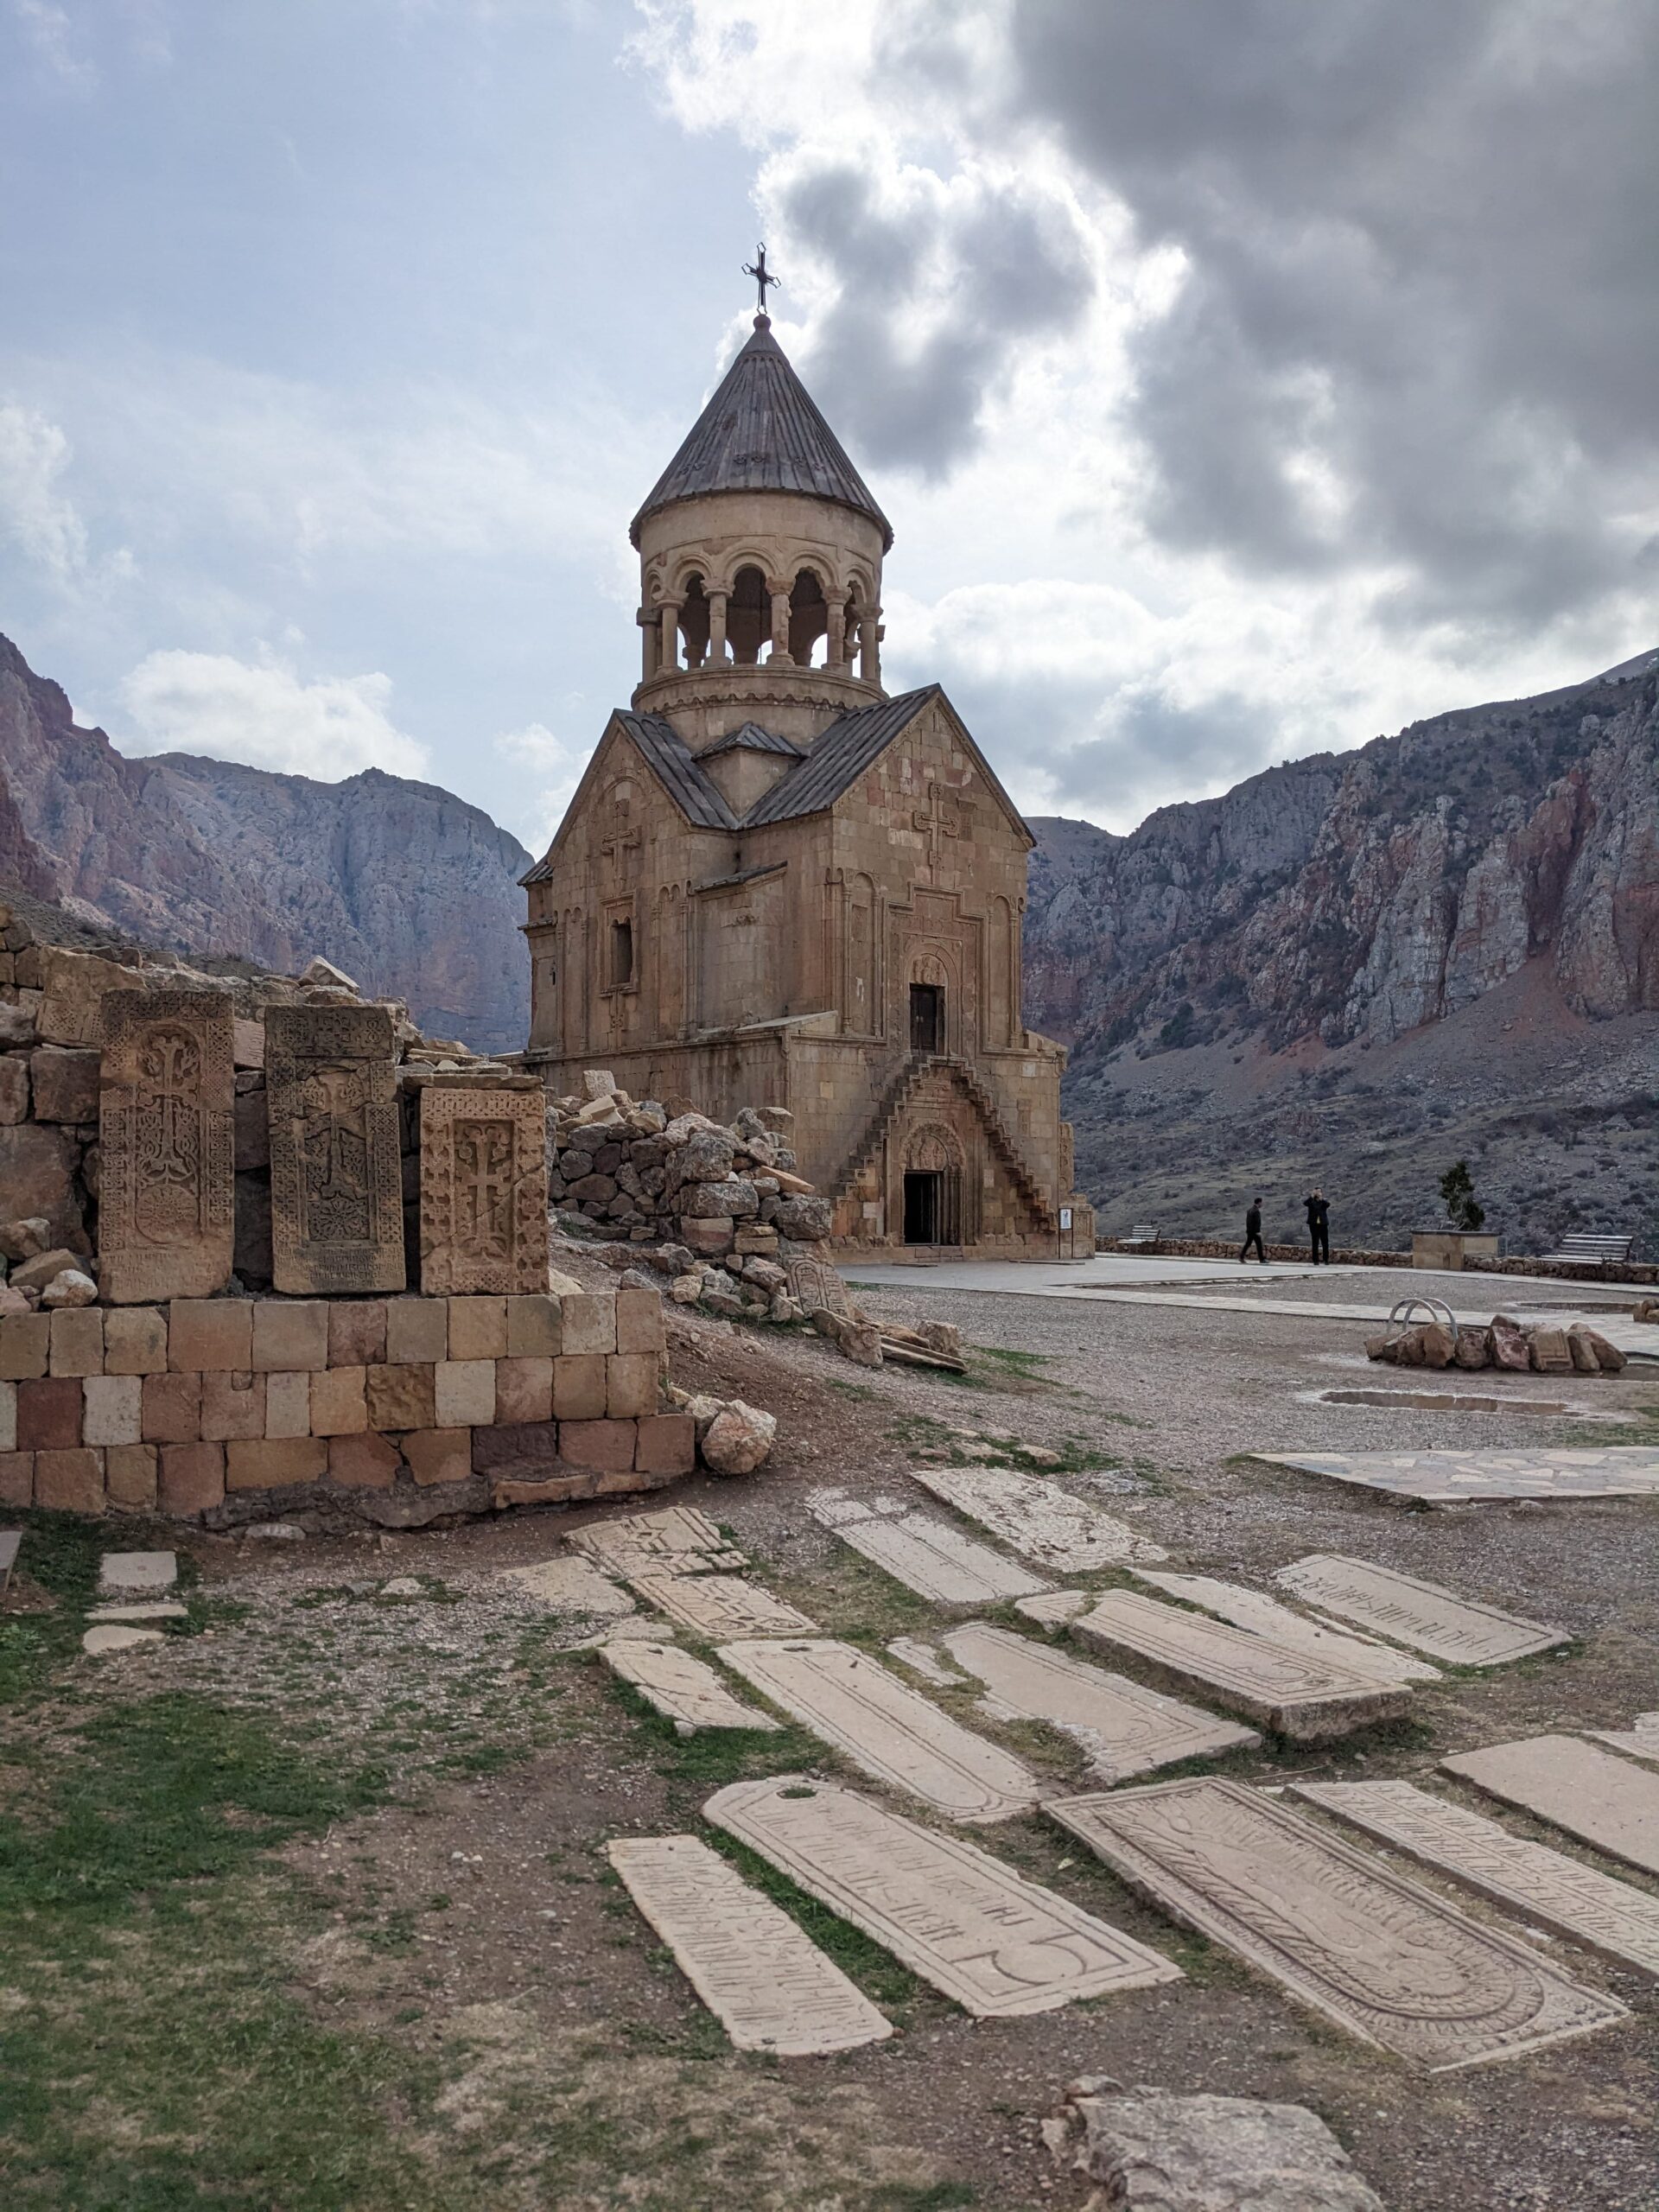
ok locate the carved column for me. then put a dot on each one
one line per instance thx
(871, 633)
(650, 637)
(835, 650)
(669, 648)
(717, 628)
(780, 652)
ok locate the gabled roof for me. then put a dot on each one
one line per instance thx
(761, 432)
(841, 755)
(675, 766)
(751, 738)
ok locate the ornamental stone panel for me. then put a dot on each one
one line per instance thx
(483, 1190)
(336, 1195)
(166, 1132)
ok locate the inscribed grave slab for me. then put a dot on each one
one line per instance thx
(1124, 1728)
(922, 1659)
(569, 1585)
(1420, 1614)
(762, 1977)
(1547, 1887)
(678, 1539)
(935, 1560)
(1639, 1741)
(1037, 1519)
(1374, 1952)
(1263, 1616)
(1455, 1477)
(483, 1190)
(1290, 1692)
(1590, 1793)
(336, 1179)
(681, 1685)
(1000, 1946)
(1053, 1608)
(167, 1137)
(886, 1727)
(715, 1605)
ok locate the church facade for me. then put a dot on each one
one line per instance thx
(777, 885)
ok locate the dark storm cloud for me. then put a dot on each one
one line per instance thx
(1420, 321)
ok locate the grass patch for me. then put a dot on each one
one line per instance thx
(1072, 1455)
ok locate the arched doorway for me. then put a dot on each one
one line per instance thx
(932, 1176)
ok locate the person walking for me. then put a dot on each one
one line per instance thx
(1253, 1235)
(1318, 1227)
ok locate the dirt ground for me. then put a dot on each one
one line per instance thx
(470, 1923)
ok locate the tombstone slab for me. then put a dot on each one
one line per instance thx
(1420, 1614)
(678, 1539)
(167, 1139)
(716, 1605)
(932, 1559)
(483, 1189)
(1123, 1728)
(1544, 1886)
(1037, 1519)
(761, 1976)
(816, 1285)
(137, 1574)
(922, 1659)
(1000, 1946)
(1639, 1741)
(891, 1731)
(1053, 1608)
(681, 1686)
(1291, 1692)
(1592, 1793)
(1259, 1615)
(1466, 1478)
(1370, 1951)
(569, 1585)
(336, 1178)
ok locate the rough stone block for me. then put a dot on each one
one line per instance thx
(478, 1328)
(588, 1321)
(8, 1416)
(167, 1138)
(232, 1406)
(16, 1478)
(65, 1084)
(113, 1412)
(622, 1482)
(287, 1404)
(340, 1402)
(631, 1385)
(464, 1393)
(252, 1131)
(598, 1443)
(710, 1236)
(69, 1482)
(667, 1445)
(38, 1165)
(272, 1463)
(523, 1391)
(73, 986)
(130, 1474)
(579, 1386)
(418, 1331)
(336, 1183)
(77, 1341)
(535, 1327)
(639, 1326)
(14, 1088)
(357, 1333)
(210, 1332)
(172, 1408)
(556, 1489)
(527, 1451)
(289, 1334)
(135, 1340)
(401, 1397)
(365, 1462)
(25, 1342)
(440, 1455)
(248, 1047)
(49, 1414)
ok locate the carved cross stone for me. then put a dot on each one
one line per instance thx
(336, 1187)
(944, 816)
(166, 1226)
(483, 1188)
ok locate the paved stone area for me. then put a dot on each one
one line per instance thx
(1452, 1478)
(137, 1574)
(1418, 1613)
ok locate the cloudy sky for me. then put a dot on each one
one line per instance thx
(1242, 377)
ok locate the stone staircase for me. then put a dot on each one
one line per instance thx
(900, 1090)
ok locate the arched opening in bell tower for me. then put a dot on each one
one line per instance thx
(749, 616)
(808, 617)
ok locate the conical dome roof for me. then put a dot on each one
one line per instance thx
(761, 432)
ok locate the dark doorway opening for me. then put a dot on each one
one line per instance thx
(924, 1207)
(927, 1017)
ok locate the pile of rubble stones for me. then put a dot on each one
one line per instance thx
(1538, 1350)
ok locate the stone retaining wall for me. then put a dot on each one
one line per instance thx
(395, 1410)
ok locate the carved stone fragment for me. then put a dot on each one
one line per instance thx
(1037, 1519)
(681, 1686)
(336, 1191)
(168, 1143)
(1420, 1614)
(483, 1190)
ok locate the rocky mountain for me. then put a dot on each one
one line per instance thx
(1234, 975)
(411, 890)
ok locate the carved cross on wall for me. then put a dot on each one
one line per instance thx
(619, 842)
(944, 816)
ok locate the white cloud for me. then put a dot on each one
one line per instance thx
(555, 764)
(33, 512)
(267, 715)
(48, 30)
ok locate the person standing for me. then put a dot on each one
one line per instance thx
(1253, 1235)
(1318, 1227)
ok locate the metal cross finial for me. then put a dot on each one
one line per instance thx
(762, 276)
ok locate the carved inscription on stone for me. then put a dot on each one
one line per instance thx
(1543, 1886)
(1123, 1728)
(483, 1190)
(815, 1284)
(765, 1980)
(683, 1686)
(886, 1727)
(1420, 1614)
(166, 1145)
(336, 1189)
(1291, 1692)
(930, 1557)
(1001, 1946)
(1369, 1948)
(1037, 1519)
(715, 1605)
(678, 1539)
(1265, 1616)
(1590, 1793)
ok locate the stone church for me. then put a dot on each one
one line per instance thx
(777, 885)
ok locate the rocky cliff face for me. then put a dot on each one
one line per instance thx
(412, 891)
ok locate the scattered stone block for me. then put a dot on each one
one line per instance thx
(682, 1688)
(483, 1190)
(191, 1479)
(535, 1329)
(167, 1147)
(1159, 2153)
(273, 1463)
(579, 1386)
(1550, 1352)
(463, 1392)
(362, 1462)
(1639, 1741)
(290, 1335)
(570, 1586)
(1263, 1616)
(674, 1539)
(170, 1408)
(110, 1636)
(135, 1340)
(738, 1439)
(287, 1405)
(113, 1410)
(720, 1605)
(25, 1344)
(1590, 1793)
(336, 1177)
(478, 1328)
(401, 1397)
(72, 1288)
(357, 1331)
(232, 1406)
(160, 1609)
(49, 1414)
(439, 1455)
(931, 1558)
(130, 1473)
(36, 1273)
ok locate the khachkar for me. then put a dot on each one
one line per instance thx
(336, 1189)
(483, 1186)
(166, 1145)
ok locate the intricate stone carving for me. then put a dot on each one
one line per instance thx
(720, 1604)
(483, 1189)
(1420, 1614)
(1372, 1951)
(678, 1539)
(168, 1145)
(336, 1189)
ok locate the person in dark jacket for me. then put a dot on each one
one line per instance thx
(1318, 1227)
(1253, 1235)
